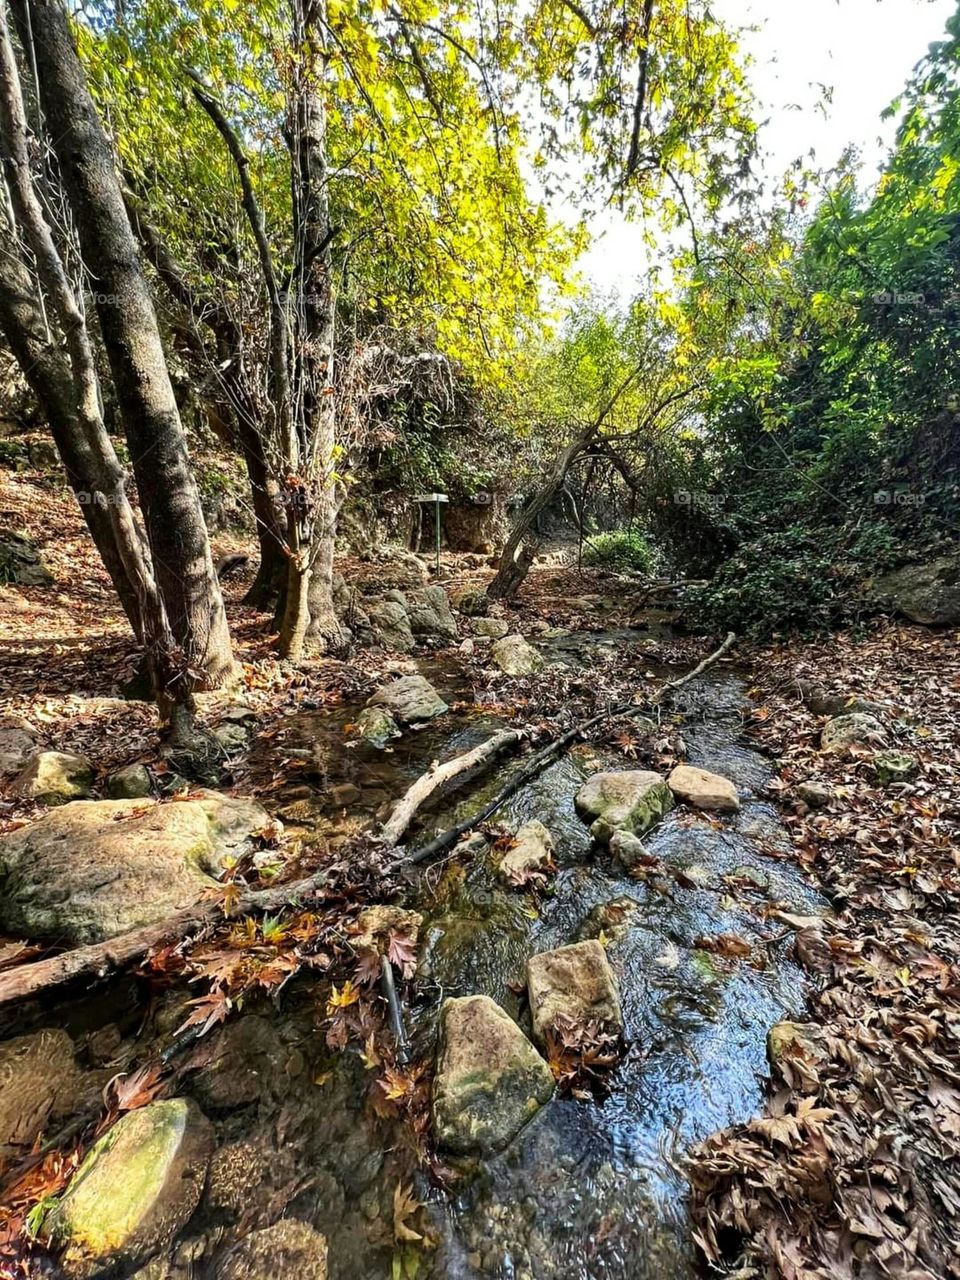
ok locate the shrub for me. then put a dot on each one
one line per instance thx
(794, 579)
(622, 550)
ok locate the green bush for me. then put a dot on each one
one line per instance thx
(797, 579)
(622, 550)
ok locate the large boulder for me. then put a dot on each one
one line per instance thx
(288, 1248)
(89, 870)
(926, 593)
(855, 729)
(137, 1187)
(428, 611)
(54, 777)
(529, 854)
(391, 624)
(39, 1081)
(575, 984)
(17, 744)
(490, 1079)
(410, 700)
(703, 790)
(515, 657)
(631, 800)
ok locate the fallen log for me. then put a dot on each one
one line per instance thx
(547, 754)
(99, 960)
(405, 810)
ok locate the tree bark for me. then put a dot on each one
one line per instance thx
(48, 375)
(317, 426)
(516, 558)
(168, 493)
(233, 410)
(108, 491)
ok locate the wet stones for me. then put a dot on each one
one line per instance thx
(530, 854)
(39, 1079)
(54, 777)
(573, 983)
(612, 919)
(247, 1062)
(377, 726)
(138, 1186)
(515, 657)
(490, 1079)
(856, 729)
(88, 871)
(704, 790)
(629, 851)
(631, 800)
(409, 700)
(288, 1248)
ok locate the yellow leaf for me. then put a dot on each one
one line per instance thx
(342, 998)
(404, 1205)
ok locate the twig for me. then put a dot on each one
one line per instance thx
(406, 807)
(396, 1013)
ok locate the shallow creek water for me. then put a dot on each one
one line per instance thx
(589, 1190)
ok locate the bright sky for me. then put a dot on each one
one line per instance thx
(863, 50)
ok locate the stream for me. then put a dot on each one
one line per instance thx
(589, 1190)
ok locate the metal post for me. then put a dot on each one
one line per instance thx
(437, 509)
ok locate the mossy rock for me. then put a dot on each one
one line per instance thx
(895, 766)
(631, 800)
(490, 1079)
(136, 1189)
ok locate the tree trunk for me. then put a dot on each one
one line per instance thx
(233, 409)
(48, 375)
(108, 489)
(520, 549)
(168, 493)
(317, 425)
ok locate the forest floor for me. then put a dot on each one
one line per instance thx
(854, 1167)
